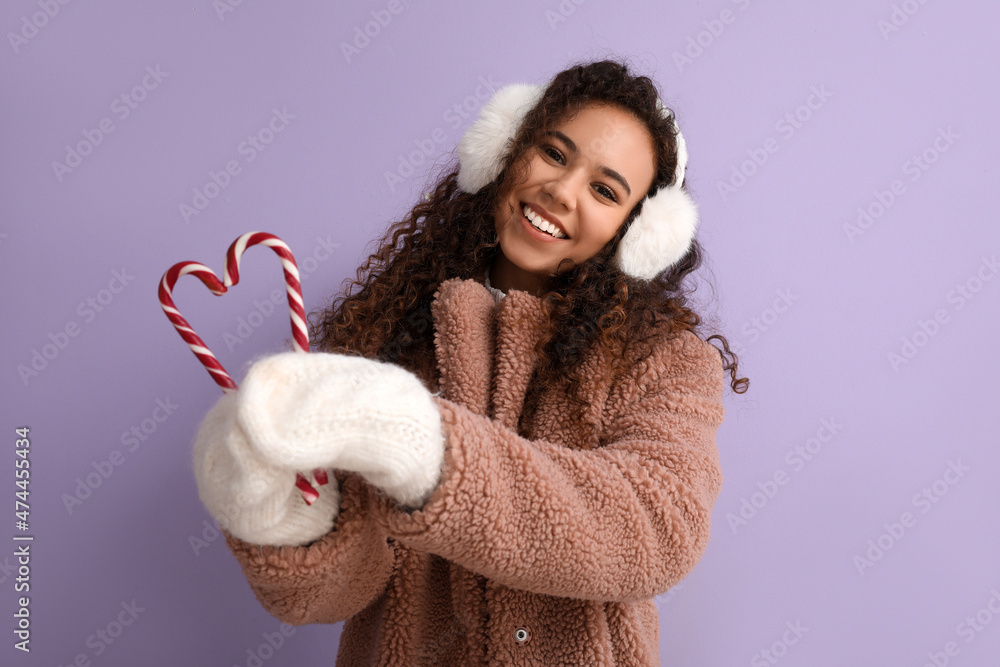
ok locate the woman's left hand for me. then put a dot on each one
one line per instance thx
(323, 410)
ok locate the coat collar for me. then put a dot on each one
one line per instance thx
(470, 330)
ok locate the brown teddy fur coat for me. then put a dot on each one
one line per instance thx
(545, 550)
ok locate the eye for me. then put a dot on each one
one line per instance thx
(607, 192)
(552, 152)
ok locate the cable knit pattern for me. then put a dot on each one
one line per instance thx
(497, 294)
(256, 500)
(541, 546)
(319, 410)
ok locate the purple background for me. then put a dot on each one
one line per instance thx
(815, 311)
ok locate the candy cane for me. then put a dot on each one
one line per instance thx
(292, 285)
(194, 341)
(232, 276)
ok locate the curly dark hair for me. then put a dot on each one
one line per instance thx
(452, 234)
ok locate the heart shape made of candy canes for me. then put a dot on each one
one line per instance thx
(232, 276)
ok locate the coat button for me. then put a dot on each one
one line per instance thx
(522, 635)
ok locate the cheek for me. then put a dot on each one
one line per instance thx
(503, 216)
(610, 224)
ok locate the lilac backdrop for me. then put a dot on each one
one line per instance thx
(842, 156)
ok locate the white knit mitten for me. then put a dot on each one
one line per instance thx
(323, 410)
(250, 497)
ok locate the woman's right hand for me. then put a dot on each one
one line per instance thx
(254, 500)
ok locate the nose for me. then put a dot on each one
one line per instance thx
(563, 189)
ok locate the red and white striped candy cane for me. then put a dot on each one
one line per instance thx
(292, 285)
(232, 276)
(194, 341)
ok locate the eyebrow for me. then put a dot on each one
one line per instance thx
(610, 173)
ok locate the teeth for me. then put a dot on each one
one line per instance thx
(541, 223)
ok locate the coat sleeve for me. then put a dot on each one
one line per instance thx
(330, 579)
(621, 522)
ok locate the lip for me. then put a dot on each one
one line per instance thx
(548, 216)
(536, 233)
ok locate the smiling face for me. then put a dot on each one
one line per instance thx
(583, 178)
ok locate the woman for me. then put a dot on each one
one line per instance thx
(519, 417)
